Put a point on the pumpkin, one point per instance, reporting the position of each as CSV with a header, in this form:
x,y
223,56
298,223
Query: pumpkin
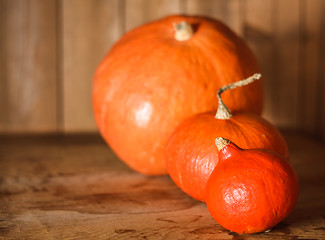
x,y
160,73
190,154
252,190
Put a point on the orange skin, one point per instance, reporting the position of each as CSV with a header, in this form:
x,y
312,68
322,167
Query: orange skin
x,y
149,82
251,191
191,154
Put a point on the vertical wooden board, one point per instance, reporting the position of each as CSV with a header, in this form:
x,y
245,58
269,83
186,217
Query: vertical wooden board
x,y
3,65
320,116
230,12
258,32
311,21
138,12
286,54
89,30
28,66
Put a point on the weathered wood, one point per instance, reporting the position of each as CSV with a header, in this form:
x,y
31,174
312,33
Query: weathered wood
x,y
89,28
138,12
312,97
258,31
310,63
230,12
49,51
286,59
28,66
320,117
74,187
320,131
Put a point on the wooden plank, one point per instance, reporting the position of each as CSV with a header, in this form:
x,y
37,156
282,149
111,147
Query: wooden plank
x,y
286,54
74,187
315,67
89,30
258,32
230,12
28,66
310,64
4,9
320,126
138,12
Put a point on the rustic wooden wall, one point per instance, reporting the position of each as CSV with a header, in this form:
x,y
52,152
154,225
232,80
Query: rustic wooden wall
x,y
49,50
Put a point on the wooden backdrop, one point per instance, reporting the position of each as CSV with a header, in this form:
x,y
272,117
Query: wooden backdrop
x,y
49,50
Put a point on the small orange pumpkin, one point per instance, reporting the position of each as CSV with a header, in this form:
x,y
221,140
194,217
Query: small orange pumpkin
x,y
250,191
160,73
191,155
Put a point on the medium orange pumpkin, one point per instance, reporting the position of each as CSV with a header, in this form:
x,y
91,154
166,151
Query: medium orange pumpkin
x,y
191,155
252,190
161,73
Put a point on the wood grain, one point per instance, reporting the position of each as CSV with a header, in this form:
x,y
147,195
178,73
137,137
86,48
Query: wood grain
x,y
310,65
228,12
28,66
89,28
320,131
4,121
258,32
286,57
138,12
49,51
74,187
313,69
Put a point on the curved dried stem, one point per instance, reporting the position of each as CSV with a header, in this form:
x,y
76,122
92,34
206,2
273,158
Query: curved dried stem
x,y
223,112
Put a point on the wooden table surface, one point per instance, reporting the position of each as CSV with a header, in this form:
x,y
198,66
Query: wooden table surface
x,y
74,187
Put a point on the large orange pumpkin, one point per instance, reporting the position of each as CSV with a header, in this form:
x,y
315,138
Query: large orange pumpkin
x,y
161,73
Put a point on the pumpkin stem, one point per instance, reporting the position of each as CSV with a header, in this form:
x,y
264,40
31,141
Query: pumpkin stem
x,y
183,31
223,112
221,143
